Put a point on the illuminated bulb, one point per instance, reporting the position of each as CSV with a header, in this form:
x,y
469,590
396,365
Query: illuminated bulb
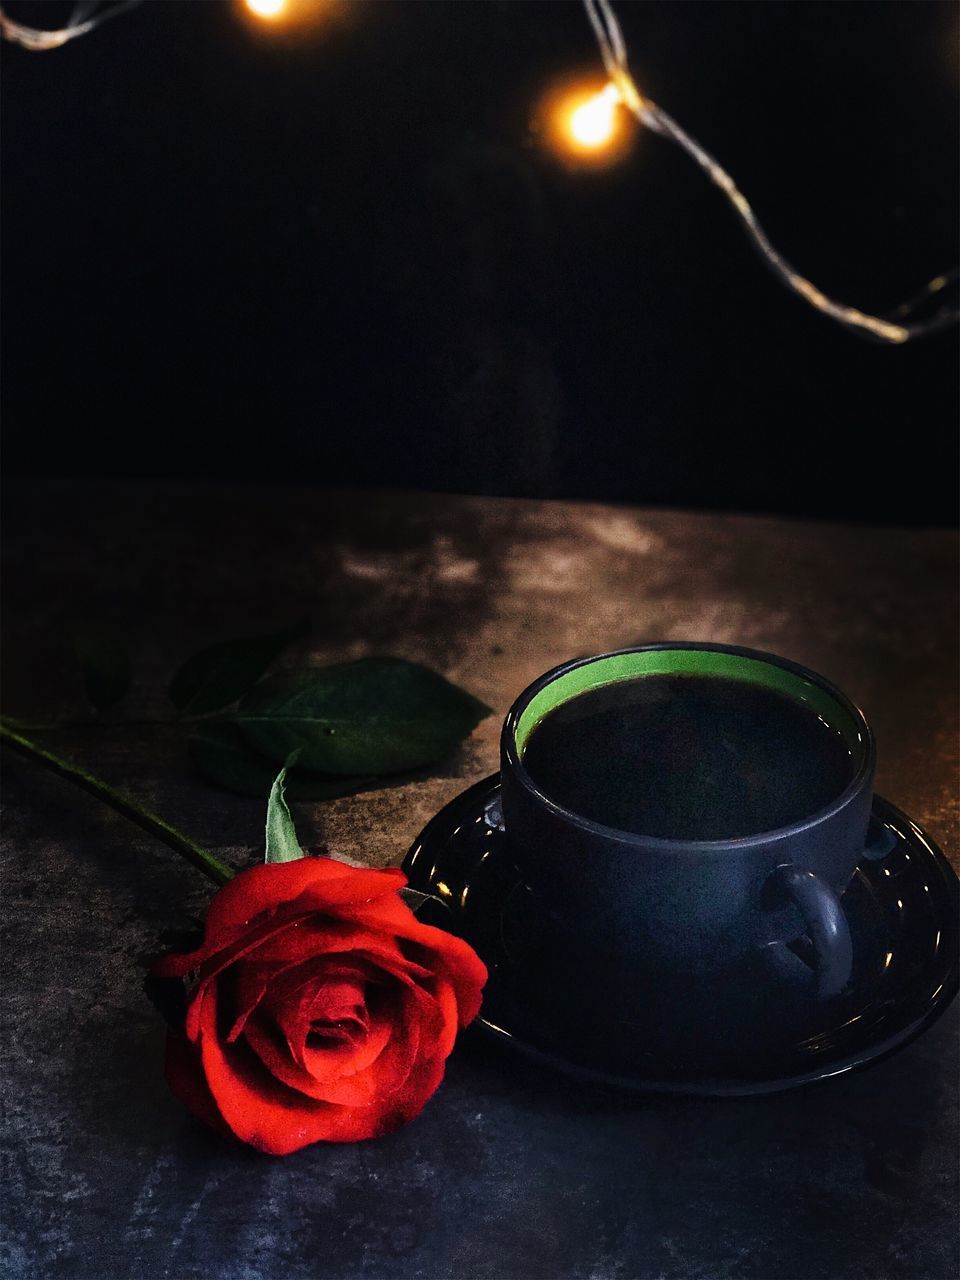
x,y
593,123
287,16
586,123
266,8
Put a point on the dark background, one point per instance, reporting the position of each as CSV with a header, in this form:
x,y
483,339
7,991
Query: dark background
x,y
346,256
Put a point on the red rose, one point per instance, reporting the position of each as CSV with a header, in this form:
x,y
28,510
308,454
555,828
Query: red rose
x,y
322,1009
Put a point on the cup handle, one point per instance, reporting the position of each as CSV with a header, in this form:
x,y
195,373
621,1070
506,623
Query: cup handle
x,y
826,925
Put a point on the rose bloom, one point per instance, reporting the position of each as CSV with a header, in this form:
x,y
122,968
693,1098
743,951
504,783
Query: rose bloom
x,y
321,1008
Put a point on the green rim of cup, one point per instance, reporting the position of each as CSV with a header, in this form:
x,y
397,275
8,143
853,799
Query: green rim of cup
x,y
615,667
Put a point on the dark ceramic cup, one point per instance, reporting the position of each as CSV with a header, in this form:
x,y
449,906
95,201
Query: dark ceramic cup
x,y
684,907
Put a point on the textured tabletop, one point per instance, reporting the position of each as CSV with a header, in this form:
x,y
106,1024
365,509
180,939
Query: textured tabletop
x,y
509,1172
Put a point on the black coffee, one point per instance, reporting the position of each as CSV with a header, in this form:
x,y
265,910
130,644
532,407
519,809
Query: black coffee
x,y
688,757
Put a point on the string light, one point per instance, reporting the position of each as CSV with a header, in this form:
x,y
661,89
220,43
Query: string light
x,y
613,51
287,15
268,9
585,123
86,17
593,124
592,127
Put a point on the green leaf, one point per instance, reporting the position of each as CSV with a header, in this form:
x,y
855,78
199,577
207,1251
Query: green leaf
x,y
376,715
105,666
219,675
282,842
220,752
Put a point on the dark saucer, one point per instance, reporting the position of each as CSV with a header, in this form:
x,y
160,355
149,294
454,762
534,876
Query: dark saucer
x,y
594,1019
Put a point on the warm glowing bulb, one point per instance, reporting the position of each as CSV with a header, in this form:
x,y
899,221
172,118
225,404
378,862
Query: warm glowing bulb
x,y
266,8
593,123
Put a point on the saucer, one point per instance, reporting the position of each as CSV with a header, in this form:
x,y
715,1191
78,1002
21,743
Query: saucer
x,y
557,1001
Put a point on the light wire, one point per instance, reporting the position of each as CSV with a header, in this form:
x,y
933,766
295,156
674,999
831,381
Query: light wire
x,y
613,51
894,327
39,40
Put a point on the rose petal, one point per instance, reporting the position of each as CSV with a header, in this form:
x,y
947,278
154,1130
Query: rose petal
x,y
384,915
284,944
375,1083
326,1075
310,936
266,1114
358,1074
278,887
180,963
323,1009
326,883
295,1019
422,1083
340,998
457,959
320,1063
448,1021
281,984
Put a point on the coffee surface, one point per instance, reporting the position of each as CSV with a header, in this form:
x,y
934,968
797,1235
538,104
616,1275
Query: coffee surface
x,y
688,757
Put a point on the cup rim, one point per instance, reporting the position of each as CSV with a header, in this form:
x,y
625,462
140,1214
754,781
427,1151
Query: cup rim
x,y
675,844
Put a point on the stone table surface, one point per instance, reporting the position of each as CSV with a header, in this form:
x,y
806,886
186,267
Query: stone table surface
x,y
510,1171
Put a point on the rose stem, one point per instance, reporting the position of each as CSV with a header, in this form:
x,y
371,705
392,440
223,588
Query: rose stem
x,y
39,726
211,867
